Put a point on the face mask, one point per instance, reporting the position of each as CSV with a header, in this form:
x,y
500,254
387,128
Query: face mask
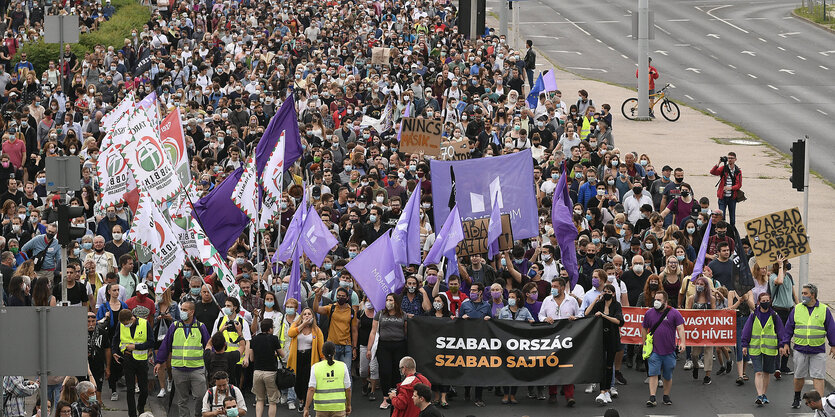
x,y
691,230
555,292
240,261
183,315
474,295
595,240
92,399
290,311
595,282
700,288
15,228
531,273
352,254
623,232
504,262
615,162
372,218
411,290
638,269
437,305
187,274
194,291
608,296
653,286
658,304
649,246
76,251
232,412
87,246
117,236
806,299
589,217
578,212
389,305
699,223
637,190
765,305
341,301
720,235
680,258
590,255
269,304
227,311
546,257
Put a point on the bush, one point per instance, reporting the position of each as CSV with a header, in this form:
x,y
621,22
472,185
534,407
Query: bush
x,y
129,15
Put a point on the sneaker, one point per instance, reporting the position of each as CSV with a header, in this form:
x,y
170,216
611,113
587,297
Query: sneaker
x,y
372,396
740,381
660,383
479,403
787,371
291,405
531,394
651,401
707,380
608,398
667,400
161,393
168,385
619,378
701,364
570,402
591,388
759,400
384,405
600,399
765,399
613,392
136,389
778,374
695,372
114,396
646,380
552,399
630,361
283,400
796,404
688,365
721,370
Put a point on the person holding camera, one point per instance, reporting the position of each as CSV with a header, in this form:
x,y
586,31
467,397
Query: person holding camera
x,y
729,185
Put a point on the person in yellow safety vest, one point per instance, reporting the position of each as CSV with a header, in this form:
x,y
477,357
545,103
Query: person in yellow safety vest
x,y
130,348
809,326
759,340
587,121
183,344
236,332
329,387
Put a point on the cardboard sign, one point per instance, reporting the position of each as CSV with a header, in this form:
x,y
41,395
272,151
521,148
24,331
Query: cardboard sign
x,y
380,56
701,327
778,233
418,134
475,236
455,151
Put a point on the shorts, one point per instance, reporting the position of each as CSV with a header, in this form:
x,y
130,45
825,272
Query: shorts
x,y
263,385
809,365
764,363
367,366
662,365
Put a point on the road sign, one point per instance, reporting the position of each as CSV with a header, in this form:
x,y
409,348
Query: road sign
x,y
56,26
63,173
65,351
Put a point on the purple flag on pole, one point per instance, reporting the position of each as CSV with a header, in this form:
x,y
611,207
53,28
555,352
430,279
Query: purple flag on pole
x,y
221,219
494,230
294,288
700,259
550,79
451,264
406,113
376,272
447,239
506,178
316,240
564,229
149,101
284,120
405,237
291,236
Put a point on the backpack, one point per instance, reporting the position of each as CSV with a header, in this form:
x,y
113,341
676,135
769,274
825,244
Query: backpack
x,y
330,316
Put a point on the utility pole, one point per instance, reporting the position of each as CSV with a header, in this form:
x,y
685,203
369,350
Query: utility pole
x,y
643,60
516,36
504,6
804,259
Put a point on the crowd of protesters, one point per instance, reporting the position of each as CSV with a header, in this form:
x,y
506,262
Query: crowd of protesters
x,y
227,66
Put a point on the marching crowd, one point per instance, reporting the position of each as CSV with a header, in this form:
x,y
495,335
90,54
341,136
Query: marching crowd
x,y
227,66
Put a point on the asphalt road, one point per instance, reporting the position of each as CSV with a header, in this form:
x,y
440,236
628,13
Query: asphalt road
x,y
749,62
723,398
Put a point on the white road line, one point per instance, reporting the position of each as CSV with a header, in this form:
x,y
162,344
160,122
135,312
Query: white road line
x,y
784,35
756,18
752,75
763,40
708,109
607,21
731,66
578,27
567,52
682,44
772,87
710,13
822,112
795,99
749,53
800,57
824,68
587,69
610,48
678,20
781,48
713,35
663,30
714,57
624,56
688,97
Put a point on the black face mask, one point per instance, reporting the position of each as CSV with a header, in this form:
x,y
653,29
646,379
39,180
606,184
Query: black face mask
x,y
637,190
607,296
720,234
679,180
653,287
341,301
685,193
590,255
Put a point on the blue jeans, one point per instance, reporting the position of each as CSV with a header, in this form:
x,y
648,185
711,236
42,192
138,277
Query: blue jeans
x,y
343,354
728,203
740,324
529,73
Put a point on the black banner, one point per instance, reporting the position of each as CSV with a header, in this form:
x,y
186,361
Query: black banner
x,y
506,352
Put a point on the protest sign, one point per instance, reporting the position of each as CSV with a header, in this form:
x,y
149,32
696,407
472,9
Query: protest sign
x,y
418,134
507,352
380,56
775,234
475,236
454,150
701,327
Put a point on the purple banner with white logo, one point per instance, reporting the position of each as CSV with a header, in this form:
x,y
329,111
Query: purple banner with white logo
x,y
508,179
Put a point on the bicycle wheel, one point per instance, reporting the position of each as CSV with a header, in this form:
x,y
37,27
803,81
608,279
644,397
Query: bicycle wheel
x,y
670,110
629,108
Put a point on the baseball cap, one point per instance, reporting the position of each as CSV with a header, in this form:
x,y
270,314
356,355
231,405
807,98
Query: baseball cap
x,y
142,288
666,168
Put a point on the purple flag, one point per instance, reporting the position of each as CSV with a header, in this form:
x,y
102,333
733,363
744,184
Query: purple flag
x,y
221,219
294,289
291,236
494,230
506,178
564,229
405,238
700,260
285,120
376,272
406,113
550,79
150,101
451,264
316,240
447,239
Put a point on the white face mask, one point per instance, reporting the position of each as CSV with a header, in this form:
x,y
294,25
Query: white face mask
x,y
658,304
649,246
638,269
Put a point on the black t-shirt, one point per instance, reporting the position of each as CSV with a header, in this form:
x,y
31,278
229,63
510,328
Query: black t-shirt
x,y
723,272
221,362
76,295
431,411
264,346
206,313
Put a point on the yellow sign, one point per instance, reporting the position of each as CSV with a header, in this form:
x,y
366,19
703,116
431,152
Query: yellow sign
x,y
778,233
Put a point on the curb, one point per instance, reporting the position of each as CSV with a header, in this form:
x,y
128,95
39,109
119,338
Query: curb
x,y
816,24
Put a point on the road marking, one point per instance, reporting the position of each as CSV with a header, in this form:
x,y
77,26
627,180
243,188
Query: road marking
x,y
826,53
822,112
690,98
661,52
734,415
624,56
587,69
607,21
772,87
756,18
713,35
795,99
543,36
781,48
749,53
708,109
663,30
824,68
714,57
578,26
567,52
710,13
678,20
763,40
610,48
598,40
696,70
731,66
790,72
784,35
752,75
682,44
800,57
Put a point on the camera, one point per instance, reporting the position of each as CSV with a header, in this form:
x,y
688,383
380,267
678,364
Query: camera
x,y
230,327
723,159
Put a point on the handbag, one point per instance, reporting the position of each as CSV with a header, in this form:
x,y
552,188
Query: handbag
x,y
740,196
648,341
285,378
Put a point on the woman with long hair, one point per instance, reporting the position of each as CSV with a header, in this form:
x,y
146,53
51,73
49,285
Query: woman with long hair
x,y
607,307
671,278
42,294
18,292
440,309
306,342
760,274
702,300
389,331
686,264
165,313
109,312
369,369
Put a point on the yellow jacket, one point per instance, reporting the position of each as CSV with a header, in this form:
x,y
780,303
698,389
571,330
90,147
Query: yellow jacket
x,y
316,354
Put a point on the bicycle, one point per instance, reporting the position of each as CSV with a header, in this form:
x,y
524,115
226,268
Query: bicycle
x,y
669,110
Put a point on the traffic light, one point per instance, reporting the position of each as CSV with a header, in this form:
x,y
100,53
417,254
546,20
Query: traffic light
x,y
66,231
798,165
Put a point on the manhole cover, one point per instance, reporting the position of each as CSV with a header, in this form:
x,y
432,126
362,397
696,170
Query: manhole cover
x,y
745,142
